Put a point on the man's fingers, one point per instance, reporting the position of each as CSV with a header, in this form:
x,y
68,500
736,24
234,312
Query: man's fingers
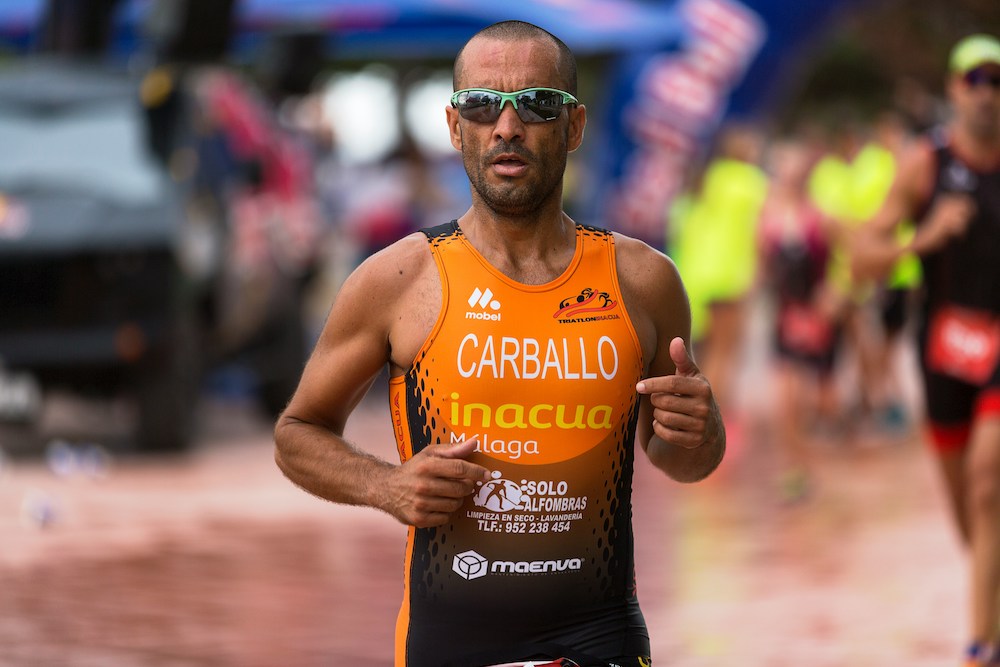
x,y
433,514
440,487
449,461
436,482
437,504
674,384
956,210
457,450
686,371
679,422
686,439
680,404
682,360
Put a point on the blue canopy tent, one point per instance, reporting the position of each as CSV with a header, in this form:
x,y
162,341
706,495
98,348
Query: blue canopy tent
x,y
18,24
437,28
369,29
677,66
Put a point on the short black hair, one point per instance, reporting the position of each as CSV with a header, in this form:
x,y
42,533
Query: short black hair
x,y
516,30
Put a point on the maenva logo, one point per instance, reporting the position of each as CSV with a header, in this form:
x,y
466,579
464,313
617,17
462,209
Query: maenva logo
x,y
481,303
470,565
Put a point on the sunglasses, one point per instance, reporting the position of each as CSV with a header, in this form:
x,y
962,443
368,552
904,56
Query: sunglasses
x,y
981,77
533,105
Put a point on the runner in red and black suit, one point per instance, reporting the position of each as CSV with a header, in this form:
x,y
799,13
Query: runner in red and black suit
x,y
950,184
961,306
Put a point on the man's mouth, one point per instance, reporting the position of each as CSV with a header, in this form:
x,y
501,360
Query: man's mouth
x,y
509,165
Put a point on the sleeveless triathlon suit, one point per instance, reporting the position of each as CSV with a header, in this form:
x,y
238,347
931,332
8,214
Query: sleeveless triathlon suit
x,y
539,560
960,335
797,264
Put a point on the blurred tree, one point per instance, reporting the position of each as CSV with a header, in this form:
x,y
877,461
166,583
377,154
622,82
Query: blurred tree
x,y
190,31
292,60
890,53
77,27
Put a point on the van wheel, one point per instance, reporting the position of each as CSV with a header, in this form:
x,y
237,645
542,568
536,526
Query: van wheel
x,y
281,361
167,389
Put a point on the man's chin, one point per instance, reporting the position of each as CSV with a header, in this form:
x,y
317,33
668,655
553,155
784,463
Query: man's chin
x,y
986,127
511,211
511,203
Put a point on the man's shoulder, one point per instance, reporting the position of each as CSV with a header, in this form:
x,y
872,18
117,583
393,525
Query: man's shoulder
x,y
635,254
642,269
917,168
921,153
395,265
412,246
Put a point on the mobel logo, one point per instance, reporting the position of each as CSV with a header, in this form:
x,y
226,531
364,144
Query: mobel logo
x,y
483,305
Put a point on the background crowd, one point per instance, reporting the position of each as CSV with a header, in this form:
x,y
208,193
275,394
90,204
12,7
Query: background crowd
x,y
298,161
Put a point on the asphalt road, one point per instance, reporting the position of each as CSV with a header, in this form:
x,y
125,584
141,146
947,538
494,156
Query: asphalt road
x,y
214,558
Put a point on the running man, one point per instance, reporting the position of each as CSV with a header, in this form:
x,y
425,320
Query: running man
x,y
950,184
491,379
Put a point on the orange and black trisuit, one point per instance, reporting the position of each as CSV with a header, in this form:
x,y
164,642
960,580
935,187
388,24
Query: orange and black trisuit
x,y
540,556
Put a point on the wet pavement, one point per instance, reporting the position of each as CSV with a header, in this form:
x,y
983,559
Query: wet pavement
x,y
214,558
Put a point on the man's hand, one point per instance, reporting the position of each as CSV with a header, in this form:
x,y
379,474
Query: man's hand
x,y
948,218
428,488
683,405
690,439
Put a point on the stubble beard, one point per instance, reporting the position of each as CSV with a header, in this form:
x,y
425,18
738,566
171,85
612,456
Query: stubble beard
x,y
986,128
516,198
982,121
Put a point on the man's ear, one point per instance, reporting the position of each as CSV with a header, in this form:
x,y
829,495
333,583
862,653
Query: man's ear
x,y
954,86
577,123
454,129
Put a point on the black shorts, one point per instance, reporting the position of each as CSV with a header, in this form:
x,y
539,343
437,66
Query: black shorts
x,y
894,307
542,652
630,661
805,338
953,404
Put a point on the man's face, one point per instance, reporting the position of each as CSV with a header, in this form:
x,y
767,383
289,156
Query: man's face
x,y
976,98
514,167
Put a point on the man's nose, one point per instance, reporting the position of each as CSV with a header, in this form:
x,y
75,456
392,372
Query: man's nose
x,y
509,125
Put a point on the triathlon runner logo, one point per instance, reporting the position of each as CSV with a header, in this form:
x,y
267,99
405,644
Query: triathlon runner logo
x,y
469,565
499,495
587,301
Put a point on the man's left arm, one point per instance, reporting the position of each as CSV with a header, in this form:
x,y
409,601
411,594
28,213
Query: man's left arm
x,y
680,426
685,436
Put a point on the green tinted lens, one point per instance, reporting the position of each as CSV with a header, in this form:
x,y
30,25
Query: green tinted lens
x,y
982,77
538,106
480,106
533,105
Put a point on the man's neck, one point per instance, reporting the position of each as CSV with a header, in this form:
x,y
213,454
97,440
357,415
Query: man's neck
x,y
532,250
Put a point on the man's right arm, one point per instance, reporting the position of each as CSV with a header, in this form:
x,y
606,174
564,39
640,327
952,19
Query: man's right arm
x,y
877,249
353,347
